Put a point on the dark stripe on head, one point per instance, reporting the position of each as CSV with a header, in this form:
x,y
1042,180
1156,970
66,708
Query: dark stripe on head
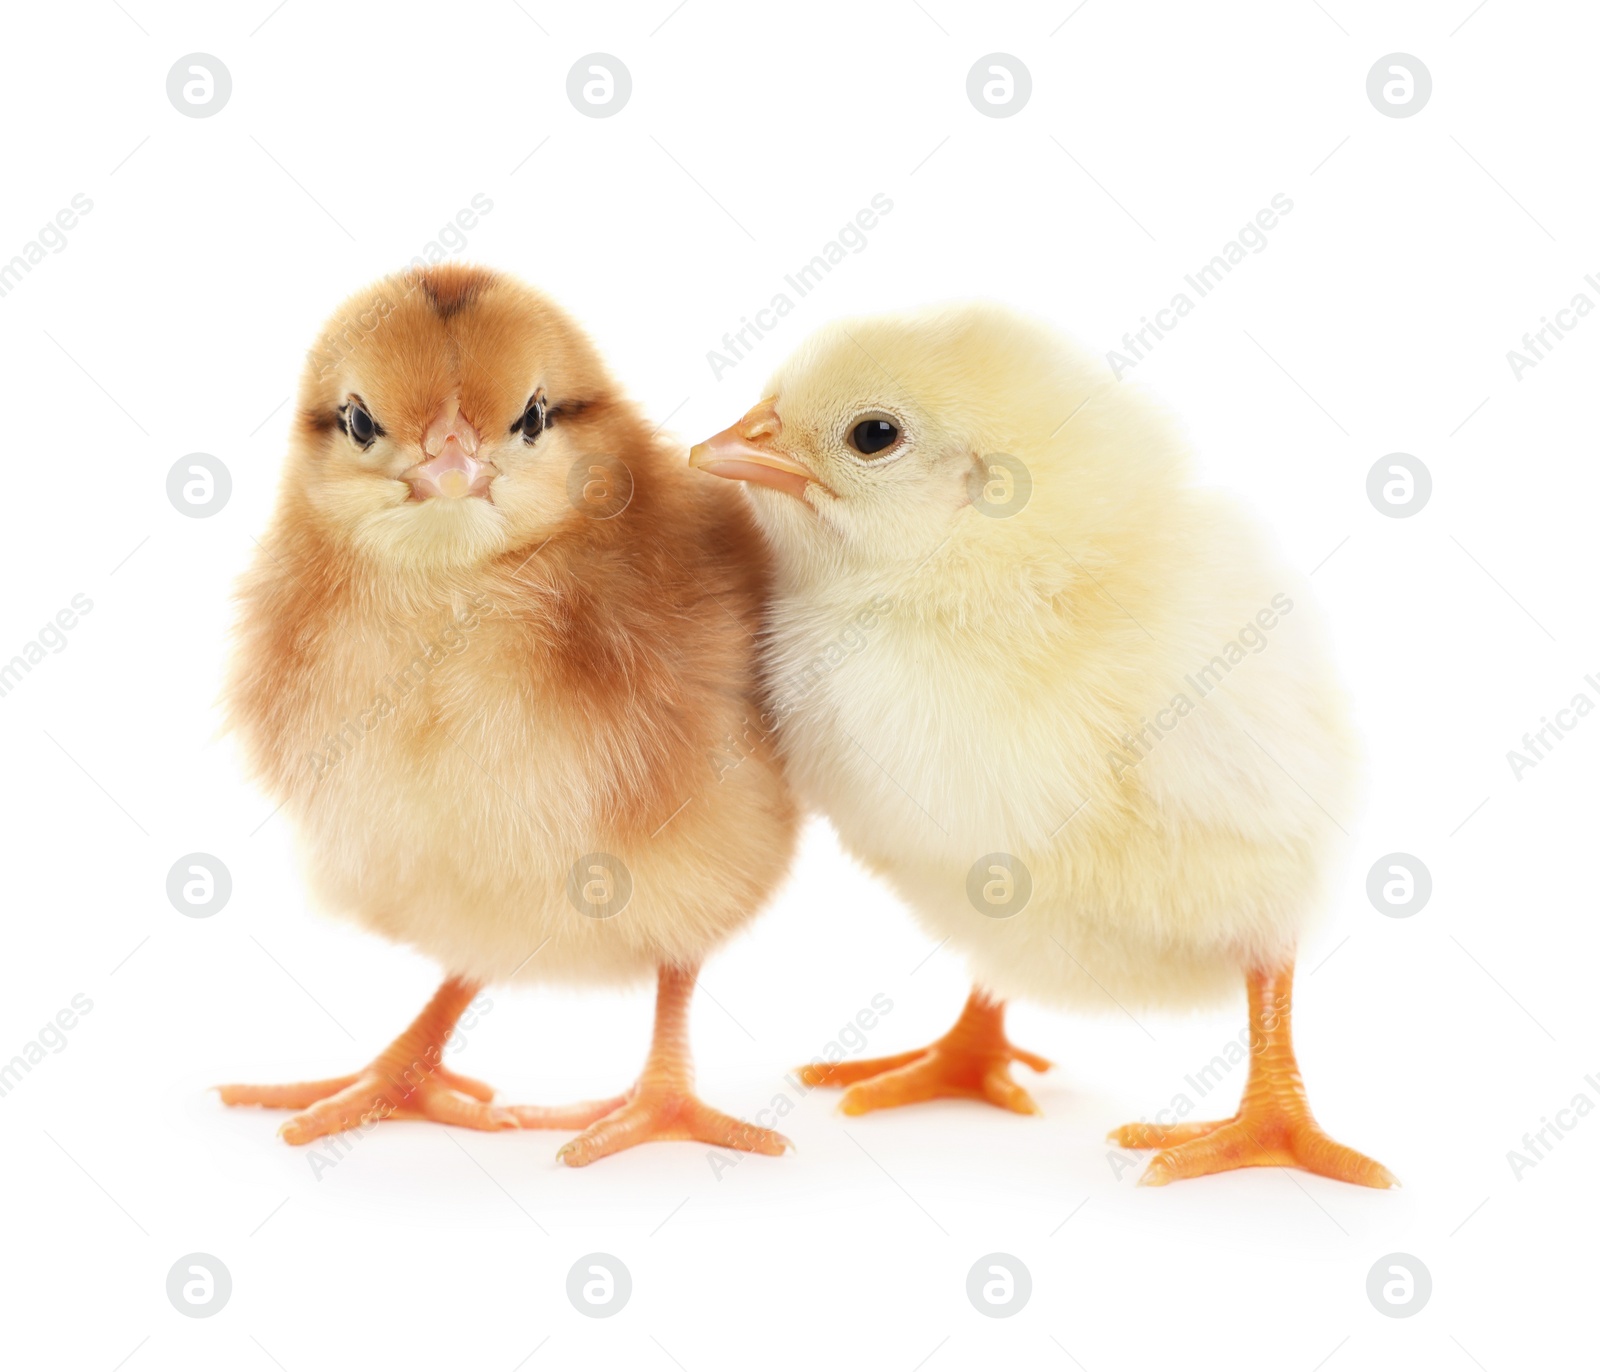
x,y
450,289
569,410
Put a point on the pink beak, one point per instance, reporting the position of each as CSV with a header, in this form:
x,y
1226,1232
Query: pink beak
x,y
453,469
739,453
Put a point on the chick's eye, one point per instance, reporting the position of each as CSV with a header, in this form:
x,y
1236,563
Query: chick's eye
x,y
533,419
871,436
361,426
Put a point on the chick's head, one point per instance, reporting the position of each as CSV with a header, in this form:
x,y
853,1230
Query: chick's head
x,y
876,438
440,413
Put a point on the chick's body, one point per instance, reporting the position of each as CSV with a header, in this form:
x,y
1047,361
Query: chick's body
x,y
449,751
492,657
1158,866
1087,727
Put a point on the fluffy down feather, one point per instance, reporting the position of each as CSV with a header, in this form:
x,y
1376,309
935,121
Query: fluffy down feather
x,y
1119,684
455,700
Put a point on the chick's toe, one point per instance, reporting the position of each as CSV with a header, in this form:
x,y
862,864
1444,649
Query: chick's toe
x,y
662,1104
408,1080
971,1062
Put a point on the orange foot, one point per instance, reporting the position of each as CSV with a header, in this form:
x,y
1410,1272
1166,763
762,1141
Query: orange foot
x,y
972,1062
1273,1126
1276,1136
663,1106
406,1081
655,1113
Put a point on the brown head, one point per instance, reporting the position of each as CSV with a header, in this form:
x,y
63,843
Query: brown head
x,y
440,414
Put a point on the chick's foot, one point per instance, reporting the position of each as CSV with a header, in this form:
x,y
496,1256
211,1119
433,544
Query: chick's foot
x,y
407,1080
971,1062
1273,1127
662,1105
659,1112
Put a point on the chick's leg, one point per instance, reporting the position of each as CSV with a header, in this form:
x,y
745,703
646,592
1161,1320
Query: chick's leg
x,y
662,1104
408,1080
1273,1126
972,1061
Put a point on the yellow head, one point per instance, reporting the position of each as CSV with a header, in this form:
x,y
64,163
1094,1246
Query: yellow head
x,y
967,428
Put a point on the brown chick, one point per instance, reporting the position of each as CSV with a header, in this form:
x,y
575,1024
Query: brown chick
x,y
496,661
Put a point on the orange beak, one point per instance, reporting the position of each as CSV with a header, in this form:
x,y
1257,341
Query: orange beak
x,y
740,453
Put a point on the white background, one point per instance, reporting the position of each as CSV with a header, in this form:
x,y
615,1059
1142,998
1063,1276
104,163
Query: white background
x,y
1378,319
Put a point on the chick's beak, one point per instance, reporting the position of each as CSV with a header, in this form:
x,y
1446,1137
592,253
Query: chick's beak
x,y
452,469
741,453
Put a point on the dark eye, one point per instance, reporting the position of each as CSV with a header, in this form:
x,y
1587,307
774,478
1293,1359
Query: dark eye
x,y
360,425
531,423
872,436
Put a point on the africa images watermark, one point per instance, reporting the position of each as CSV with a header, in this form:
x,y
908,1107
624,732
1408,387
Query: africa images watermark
x,y
1539,743
451,238
1538,1143
739,344
53,635
1202,1082
52,235
1538,344
852,1037
1138,345
52,1035
1136,747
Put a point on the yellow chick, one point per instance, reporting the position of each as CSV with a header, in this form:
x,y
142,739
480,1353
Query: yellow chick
x,y
1067,703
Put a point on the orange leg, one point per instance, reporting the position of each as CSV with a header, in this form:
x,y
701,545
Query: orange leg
x,y
408,1080
972,1061
1273,1126
662,1104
